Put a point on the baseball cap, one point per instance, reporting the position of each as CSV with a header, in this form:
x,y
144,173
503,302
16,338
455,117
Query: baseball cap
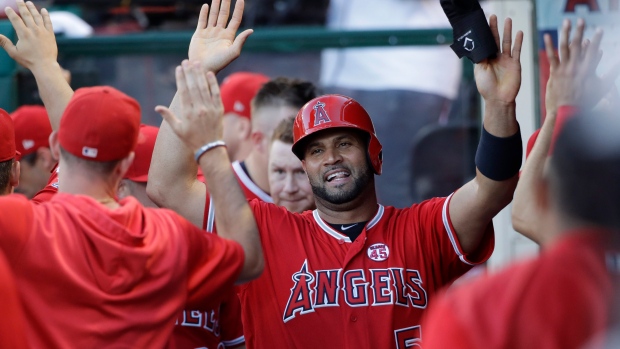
x,y
32,128
100,124
238,90
139,169
7,137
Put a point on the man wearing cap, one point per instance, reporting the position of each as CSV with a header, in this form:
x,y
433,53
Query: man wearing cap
x,y
238,90
77,289
9,166
136,177
32,131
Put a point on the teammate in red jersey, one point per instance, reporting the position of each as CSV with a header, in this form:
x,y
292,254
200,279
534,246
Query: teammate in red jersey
x,y
569,294
354,273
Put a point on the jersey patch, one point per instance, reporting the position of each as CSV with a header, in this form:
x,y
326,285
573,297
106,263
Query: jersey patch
x,y
320,114
378,252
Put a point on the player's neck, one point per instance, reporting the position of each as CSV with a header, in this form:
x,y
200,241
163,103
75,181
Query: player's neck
x,y
257,171
96,187
361,209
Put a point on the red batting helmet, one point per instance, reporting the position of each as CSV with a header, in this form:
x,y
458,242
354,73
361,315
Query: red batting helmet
x,y
331,111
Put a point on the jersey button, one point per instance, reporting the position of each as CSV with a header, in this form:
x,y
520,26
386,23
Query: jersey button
x,y
353,318
340,241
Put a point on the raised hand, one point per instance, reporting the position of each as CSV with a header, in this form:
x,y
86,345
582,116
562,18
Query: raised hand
x,y
36,45
499,79
214,43
200,121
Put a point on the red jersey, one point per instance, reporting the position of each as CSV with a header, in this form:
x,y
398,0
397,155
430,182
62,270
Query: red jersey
x,y
12,322
321,290
559,300
222,325
48,192
93,277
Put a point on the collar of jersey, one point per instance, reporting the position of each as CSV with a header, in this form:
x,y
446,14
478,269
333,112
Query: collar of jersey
x,y
338,235
247,181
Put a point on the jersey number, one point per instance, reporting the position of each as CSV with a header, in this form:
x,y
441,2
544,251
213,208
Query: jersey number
x,y
409,337
379,254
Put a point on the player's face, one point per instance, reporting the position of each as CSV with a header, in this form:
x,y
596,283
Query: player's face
x,y
288,182
337,165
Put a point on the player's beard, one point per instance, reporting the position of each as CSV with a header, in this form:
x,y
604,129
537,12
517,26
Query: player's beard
x,y
361,179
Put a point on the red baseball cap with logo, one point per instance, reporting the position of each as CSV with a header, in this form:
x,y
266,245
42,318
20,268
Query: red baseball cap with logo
x,y
32,128
7,137
139,169
100,124
238,90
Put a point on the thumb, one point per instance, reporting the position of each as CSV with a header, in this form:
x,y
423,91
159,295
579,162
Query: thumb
x,y
169,116
241,38
8,46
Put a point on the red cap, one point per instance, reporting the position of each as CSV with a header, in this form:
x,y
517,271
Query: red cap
x,y
100,124
238,90
7,137
32,128
139,169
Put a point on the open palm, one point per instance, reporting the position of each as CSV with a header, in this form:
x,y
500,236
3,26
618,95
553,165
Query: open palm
x,y
214,43
499,79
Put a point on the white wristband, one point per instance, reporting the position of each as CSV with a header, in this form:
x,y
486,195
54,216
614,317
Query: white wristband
x,y
205,148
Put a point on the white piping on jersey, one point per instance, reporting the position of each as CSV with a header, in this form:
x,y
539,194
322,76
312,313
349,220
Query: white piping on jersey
x,y
339,236
451,235
234,342
247,181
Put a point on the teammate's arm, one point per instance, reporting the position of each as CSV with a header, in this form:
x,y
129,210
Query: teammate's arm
x,y
498,80
199,124
36,50
172,175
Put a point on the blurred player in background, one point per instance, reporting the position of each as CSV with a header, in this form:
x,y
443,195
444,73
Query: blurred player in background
x,y
136,177
9,165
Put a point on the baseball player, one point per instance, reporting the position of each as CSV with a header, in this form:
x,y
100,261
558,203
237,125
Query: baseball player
x,y
288,182
136,177
12,322
32,131
9,165
575,204
354,273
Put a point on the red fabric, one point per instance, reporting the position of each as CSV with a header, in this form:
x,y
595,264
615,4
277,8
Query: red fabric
x,y
93,277
564,114
32,128
320,291
557,301
211,327
139,169
100,124
12,322
51,188
238,90
7,137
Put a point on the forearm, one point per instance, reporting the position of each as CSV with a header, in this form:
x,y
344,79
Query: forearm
x,y
233,214
53,89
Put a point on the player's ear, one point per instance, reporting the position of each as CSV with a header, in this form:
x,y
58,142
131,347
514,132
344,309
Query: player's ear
x,y
14,175
125,163
244,128
54,145
45,158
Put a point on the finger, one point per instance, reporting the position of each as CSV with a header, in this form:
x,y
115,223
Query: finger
x,y
516,49
169,116
577,42
203,17
201,80
240,40
182,87
7,45
215,91
222,19
192,85
237,15
494,29
215,10
507,37
593,53
38,20
564,35
25,13
47,21
16,22
551,54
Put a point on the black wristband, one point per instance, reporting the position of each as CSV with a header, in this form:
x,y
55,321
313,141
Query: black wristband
x,y
499,158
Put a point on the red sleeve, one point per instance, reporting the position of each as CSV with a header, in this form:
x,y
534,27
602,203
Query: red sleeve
x,y
15,224
443,329
49,190
230,322
12,320
214,265
431,219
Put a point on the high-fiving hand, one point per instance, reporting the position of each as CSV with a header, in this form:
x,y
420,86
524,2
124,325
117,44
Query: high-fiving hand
x,y
214,43
200,121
